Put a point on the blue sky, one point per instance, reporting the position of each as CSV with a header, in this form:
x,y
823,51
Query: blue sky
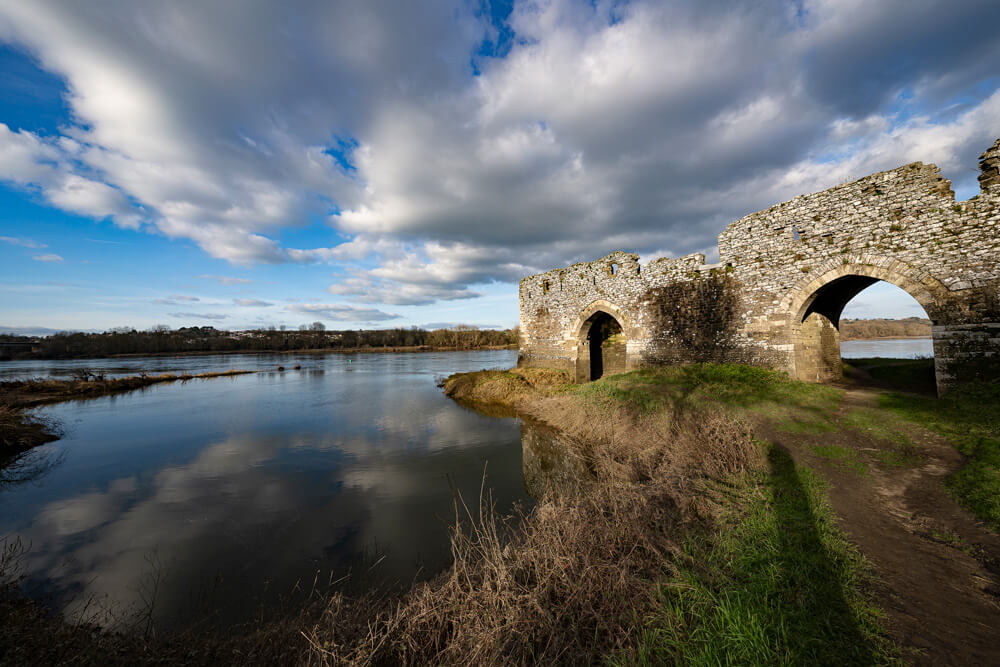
x,y
387,164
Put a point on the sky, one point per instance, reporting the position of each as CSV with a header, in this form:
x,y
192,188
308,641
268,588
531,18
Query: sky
x,y
390,163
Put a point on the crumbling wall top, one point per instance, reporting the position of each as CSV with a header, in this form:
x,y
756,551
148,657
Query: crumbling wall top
x,y
989,166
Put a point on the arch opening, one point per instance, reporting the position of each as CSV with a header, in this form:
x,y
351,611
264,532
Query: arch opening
x,y
886,323
603,347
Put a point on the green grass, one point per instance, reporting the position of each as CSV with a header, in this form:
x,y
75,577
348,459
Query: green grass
x,y
841,456
910,375
699,385
877,424
970,418
778,584
808,427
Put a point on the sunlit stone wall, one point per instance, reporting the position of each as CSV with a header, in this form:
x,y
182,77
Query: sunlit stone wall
x,y
785,275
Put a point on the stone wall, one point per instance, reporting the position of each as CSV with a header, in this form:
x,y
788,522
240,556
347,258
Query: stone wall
x,y
785,275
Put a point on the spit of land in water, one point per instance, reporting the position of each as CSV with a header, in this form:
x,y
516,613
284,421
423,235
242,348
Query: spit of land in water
x,y
716,514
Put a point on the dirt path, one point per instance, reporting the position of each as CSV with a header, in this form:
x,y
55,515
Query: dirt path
x,y
938,567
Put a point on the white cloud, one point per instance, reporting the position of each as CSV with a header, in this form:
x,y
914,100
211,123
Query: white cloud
x,y
176,299
199,316
24,243
226,280
252,303
51,257
340,312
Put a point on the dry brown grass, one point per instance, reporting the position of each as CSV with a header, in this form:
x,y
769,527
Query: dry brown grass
x,y
573,581
505,387
19,431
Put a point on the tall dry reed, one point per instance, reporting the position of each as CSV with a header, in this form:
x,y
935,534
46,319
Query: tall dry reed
x,y
573,581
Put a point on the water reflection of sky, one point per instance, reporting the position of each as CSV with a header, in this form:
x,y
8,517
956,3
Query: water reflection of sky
x,y
234,489
902,348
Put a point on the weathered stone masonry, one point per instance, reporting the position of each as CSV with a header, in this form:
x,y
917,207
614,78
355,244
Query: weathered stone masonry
x,y
784,277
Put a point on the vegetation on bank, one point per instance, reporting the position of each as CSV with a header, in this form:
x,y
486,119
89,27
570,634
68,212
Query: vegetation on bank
x,y
763,576
910,327
164,340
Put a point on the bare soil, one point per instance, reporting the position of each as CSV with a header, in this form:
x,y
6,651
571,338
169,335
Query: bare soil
x,y
937,567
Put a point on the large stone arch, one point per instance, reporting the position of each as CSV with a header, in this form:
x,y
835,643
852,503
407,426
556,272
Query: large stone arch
x,y
609,358
815,305
923,287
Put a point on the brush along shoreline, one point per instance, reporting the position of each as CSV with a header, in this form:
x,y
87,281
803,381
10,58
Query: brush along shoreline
x,y
694,537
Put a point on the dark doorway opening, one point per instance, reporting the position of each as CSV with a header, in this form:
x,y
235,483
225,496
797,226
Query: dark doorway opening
x,y
607,346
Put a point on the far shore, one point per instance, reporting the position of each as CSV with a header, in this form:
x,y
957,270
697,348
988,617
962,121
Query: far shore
x,y
323,350
320,350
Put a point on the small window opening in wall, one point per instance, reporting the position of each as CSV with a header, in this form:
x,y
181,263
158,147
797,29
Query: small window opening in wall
x,y
614,269
795,233
546,286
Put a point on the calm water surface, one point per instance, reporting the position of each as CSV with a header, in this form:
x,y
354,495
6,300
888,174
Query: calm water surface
x,y
222,494
903,348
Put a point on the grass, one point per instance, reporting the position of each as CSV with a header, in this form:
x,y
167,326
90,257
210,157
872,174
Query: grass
x,y
847,458
776,584
970,418
909,375
769,579
20,431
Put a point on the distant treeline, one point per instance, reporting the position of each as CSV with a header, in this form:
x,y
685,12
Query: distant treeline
x,y
162,339
911,327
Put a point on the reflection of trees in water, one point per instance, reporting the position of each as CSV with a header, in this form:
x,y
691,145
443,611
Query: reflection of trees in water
x,y
29,466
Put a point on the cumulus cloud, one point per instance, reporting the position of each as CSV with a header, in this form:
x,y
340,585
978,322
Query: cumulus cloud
x,y
24,243
252,303
51,257
340,312
646,126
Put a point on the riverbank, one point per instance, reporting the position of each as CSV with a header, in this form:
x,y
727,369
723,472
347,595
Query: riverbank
x,y
874,329
881,471
729,515
20,430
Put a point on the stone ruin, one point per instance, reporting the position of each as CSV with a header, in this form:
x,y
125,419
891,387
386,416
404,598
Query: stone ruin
x,y
783,278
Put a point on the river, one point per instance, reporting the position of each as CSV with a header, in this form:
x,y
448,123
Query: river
x,y
216,497
893,348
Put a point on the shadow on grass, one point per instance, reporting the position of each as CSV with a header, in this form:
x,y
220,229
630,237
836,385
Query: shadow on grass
x,y
821,625
779,586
